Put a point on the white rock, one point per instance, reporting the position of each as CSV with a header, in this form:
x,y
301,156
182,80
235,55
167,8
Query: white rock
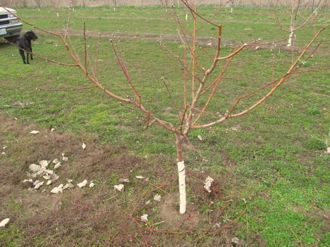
x,y
4,222
139,177
47,177
68,186
144,218
91,185
52,129
64,158
55,161
37,184
34,168
31,175
49,182
208,183
83,146
28,181
69,180
147,202
123,180
82,184
157,197
4,147
57,189
44,163
34,132
57,165
3,153
119,187
200,137
328,150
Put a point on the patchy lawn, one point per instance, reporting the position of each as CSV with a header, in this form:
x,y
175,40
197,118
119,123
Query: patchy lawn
x,y
271,169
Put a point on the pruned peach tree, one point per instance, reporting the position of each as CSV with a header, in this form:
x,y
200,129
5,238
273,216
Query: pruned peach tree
x,y
200,86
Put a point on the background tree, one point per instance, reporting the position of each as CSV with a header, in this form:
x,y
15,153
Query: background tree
x,y
301,14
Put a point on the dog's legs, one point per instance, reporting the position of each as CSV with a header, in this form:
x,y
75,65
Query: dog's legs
x,y
21,52
30,47
28,57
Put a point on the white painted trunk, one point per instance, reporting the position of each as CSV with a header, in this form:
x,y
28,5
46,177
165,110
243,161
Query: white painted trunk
x,y
290,40
182,186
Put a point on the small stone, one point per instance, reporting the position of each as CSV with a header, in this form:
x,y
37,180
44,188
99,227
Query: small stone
x,y
64,158
44,163
235,242
83,146
200,137
4,222
68,186
28,181
139,177
55,161
144,218
34,132
217,225
123,180
157,198
208,183
91,185
119,187
82,184
34,168
57,189
57,165
37,184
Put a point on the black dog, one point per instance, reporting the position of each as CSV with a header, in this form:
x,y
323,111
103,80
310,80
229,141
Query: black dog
x,y
24,43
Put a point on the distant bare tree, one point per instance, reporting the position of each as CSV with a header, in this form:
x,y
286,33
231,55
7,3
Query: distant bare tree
x,y
298,19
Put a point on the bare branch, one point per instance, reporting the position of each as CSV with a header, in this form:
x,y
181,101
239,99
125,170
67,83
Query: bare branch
x,y
283,79
127,75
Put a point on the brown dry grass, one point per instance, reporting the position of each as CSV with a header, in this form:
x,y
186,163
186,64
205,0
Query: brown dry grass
x,y
100,216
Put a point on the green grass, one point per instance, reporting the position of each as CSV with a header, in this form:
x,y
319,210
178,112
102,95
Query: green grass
x,y
244,24
281,179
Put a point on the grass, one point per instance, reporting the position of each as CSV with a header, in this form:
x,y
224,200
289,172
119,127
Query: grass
x,y
274,159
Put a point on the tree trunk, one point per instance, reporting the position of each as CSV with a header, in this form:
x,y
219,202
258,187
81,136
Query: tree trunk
x,y
291,37
181,174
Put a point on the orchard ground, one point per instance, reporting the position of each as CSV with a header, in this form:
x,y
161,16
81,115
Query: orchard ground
x,y
270,167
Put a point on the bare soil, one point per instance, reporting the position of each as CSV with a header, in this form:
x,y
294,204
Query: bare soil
x,y
99,215
201,41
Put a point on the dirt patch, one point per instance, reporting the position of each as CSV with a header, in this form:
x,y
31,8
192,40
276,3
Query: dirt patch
x,y
201,41
98,215
170,213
